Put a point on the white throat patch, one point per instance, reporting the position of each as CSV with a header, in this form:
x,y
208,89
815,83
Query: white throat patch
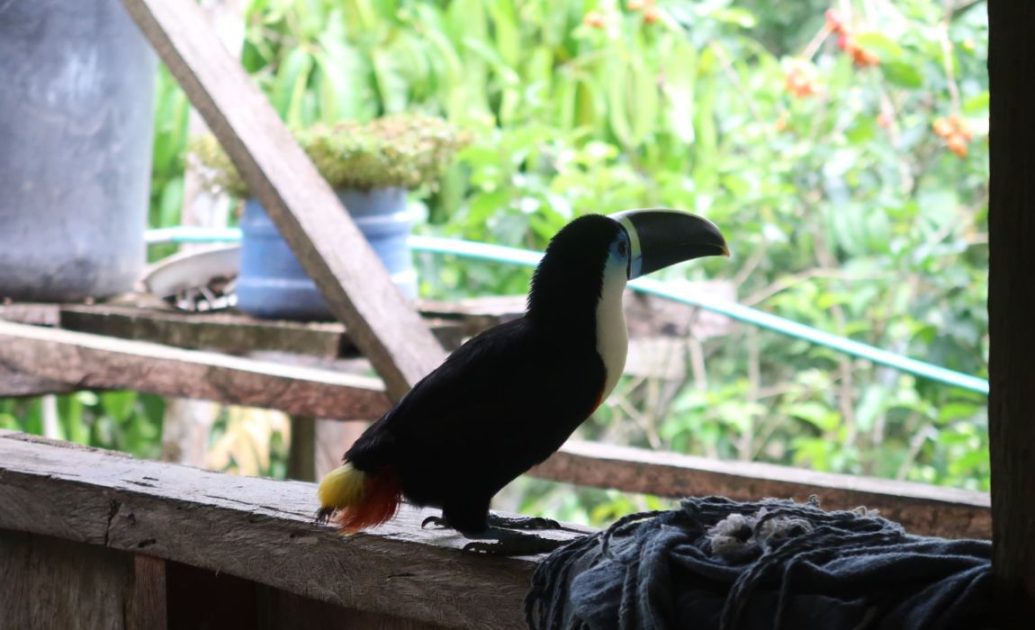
x,y
612,334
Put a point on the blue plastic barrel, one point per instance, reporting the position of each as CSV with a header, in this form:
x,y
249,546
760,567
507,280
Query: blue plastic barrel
x,y
75,148
272,283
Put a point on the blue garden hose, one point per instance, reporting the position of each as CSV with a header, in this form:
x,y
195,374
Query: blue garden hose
x,y
739,312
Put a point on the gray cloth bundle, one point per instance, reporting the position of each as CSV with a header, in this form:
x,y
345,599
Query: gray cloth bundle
x,y
717,563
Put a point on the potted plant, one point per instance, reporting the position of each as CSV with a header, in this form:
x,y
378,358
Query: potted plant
x,y
371,166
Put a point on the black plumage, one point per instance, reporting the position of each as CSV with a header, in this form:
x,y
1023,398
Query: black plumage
x,y
506,399
511,396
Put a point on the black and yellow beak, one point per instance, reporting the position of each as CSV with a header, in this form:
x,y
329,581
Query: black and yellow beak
x,y
659,238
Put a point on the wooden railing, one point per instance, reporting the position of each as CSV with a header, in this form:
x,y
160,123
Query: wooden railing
x,y
167,534
79,359
87,534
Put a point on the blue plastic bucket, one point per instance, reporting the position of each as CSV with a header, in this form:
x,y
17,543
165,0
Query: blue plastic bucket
x,y
76,127
272,283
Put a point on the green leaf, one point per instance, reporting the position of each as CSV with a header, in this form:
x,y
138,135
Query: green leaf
x,y
118,404
504,72
902,74
289,85
816,414
881,44
977,104
873,403
679,74
735,15
617,113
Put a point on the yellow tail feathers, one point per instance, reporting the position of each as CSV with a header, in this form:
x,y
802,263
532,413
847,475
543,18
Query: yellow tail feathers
x,y
355,500
341,488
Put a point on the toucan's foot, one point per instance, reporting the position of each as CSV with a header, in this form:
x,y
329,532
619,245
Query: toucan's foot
x,y
528,523
324,514
437,521
505,542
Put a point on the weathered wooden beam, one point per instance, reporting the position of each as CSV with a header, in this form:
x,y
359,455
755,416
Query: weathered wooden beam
x,y
91,361
227,332
148,606
237,334
1011,295
256,529
16,384
48,583
31,313
301,204
922,509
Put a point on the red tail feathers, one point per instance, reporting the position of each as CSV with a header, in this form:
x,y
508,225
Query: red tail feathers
x,y
380,501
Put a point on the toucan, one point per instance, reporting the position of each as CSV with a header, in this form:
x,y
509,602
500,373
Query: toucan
x,y
509,397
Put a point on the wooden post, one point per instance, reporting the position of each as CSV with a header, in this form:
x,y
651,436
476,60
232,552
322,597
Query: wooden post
x,y
301,204
302,453
1011,296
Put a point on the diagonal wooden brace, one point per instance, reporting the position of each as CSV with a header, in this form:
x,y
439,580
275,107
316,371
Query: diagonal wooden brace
x,y
383,324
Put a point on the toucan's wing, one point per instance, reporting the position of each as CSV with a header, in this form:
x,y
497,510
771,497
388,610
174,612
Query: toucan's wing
x,y
498,384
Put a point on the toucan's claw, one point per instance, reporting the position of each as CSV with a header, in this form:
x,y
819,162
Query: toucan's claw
x,y
437,521
511,543
324,514
527,523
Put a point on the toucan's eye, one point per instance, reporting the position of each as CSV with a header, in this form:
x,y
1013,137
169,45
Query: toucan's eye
x,y
622,248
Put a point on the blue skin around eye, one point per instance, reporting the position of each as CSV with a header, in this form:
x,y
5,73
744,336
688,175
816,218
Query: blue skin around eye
x,y
619,257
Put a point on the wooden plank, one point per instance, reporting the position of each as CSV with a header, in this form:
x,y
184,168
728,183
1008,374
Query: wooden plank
x,y
922,509
1011,295
31,313
662,357
92,361
16,384
256,529
200,598
647,315
302,450
280,610
301,204
227,332
50,583
147,607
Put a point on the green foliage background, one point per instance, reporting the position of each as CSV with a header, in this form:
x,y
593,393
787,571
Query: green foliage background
x,y
845,210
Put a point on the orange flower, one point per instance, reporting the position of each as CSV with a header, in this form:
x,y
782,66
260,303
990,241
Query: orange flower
x,y
957,144
961,126
651,14
594,19
834,22
943,127
955,131
800,80
863,58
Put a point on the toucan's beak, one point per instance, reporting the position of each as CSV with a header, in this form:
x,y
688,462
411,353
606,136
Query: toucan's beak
x,y
659,238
